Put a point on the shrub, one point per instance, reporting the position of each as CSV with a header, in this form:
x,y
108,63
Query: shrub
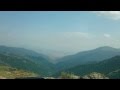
x,y
65,75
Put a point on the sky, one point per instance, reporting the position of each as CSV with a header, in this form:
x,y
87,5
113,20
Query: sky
x,y
63,31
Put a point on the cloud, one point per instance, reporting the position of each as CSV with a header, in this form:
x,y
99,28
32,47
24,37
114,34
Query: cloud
x,y
77,34
115,15
107,35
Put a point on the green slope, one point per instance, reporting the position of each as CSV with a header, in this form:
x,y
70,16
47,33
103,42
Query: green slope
x,y
110,68
25,64
26,59
95,55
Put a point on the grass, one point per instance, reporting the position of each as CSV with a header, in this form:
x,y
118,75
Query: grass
x,y
11,73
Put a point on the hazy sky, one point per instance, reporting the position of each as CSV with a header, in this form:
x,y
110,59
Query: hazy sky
x,y
61,31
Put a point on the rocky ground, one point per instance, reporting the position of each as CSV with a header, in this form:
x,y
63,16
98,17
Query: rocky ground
x,y
2,77
93,75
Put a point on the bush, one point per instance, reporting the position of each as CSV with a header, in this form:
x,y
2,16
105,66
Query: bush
x,y
65,75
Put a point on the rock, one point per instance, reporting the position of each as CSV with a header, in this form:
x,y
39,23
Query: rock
x,y
2,77
95,75
49,77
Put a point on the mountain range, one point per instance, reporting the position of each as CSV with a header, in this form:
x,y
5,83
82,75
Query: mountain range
x,y
91,56
104,60
109,67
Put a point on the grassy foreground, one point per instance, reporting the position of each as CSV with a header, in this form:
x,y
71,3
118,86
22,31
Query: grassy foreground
x,y
7,72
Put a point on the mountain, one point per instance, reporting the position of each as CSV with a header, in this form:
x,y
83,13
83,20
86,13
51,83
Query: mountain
x,y
26,59
91,56
109,67
20,51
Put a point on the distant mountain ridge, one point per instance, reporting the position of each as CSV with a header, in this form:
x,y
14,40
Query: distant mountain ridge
x,y
84,57
19,51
